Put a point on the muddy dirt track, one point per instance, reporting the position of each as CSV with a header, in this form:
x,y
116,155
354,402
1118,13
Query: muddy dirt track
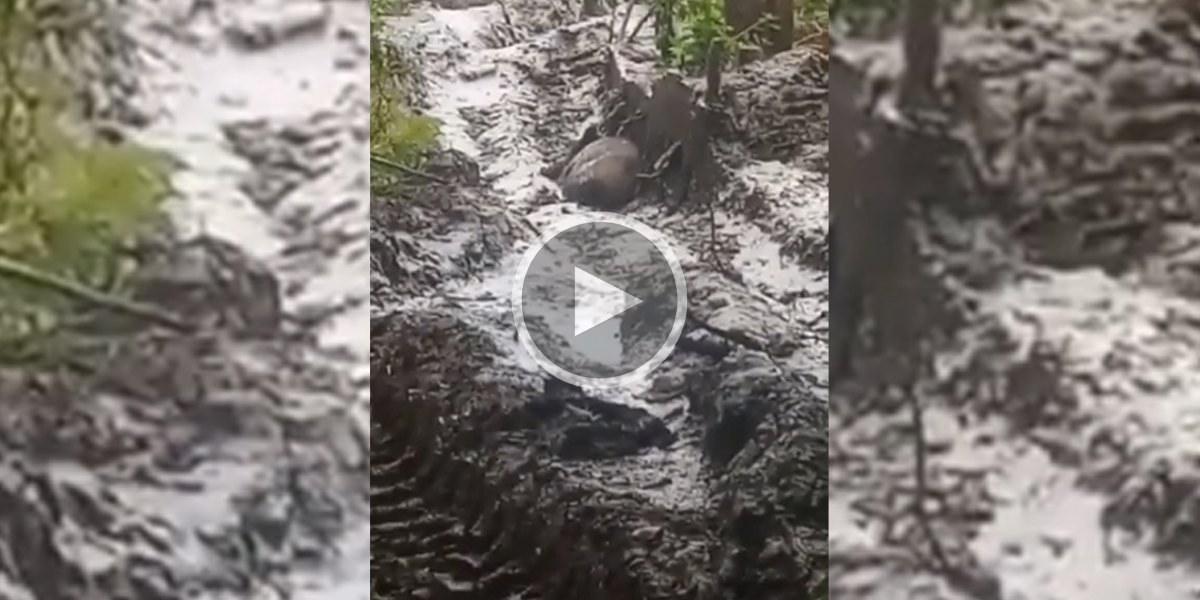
x,y
490,480
229,463
1067,381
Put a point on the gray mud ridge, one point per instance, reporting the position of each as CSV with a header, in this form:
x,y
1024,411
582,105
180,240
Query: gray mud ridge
x,y
493,482
490,479
1070,191
94,450
1079,136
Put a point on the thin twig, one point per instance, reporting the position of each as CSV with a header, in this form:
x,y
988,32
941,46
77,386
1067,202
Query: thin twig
x,y
660,165
507,18
399,168
808,39
967,577
18,271
620,37
637,28
612,27
920,449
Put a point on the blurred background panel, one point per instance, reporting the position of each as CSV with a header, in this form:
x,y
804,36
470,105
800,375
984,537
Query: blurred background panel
x,y
1015,211
183,286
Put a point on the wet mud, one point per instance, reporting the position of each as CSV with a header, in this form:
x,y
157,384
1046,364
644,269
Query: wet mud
x,y
1059,421
705,480
226,457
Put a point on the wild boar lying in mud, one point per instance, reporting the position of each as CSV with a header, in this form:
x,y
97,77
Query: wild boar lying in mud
x,y
602,175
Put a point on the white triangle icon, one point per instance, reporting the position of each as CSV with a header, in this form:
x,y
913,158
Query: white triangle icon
x,y
605,301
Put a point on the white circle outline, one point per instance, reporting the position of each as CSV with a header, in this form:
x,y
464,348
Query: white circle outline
x,y
660,243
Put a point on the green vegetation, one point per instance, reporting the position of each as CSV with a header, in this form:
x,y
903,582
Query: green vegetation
x,y
812,22
72,203
400,137
687,28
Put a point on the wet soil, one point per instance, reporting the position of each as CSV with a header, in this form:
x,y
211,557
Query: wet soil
x,y
491,480
1069,369
227,459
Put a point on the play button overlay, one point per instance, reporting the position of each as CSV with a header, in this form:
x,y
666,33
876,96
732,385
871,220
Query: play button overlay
x,y
599,300
613,301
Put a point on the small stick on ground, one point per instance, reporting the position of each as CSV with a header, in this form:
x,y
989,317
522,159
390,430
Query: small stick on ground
x,y
403,170
967,578
26,274
920,451
620,36
637,28
612,27
512,31
660,166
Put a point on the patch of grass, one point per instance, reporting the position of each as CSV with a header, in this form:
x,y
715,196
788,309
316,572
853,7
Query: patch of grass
x,y
72,202
685,29
399,134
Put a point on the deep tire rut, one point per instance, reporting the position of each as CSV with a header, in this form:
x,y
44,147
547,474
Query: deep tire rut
x,y
441,530
459,507
446,522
